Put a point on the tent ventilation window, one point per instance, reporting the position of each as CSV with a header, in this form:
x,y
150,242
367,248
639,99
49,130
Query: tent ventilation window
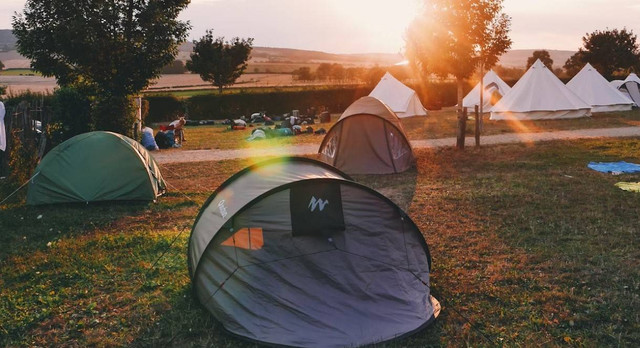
x,y
397,144
330,149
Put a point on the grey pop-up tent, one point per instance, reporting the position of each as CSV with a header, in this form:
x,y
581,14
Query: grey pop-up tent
x,y
630,87
291,252
367,139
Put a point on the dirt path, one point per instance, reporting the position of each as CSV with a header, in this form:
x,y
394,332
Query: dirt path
x,y
297,150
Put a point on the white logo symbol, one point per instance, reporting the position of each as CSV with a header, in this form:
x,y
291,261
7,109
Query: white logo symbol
x,y
317,203
223,209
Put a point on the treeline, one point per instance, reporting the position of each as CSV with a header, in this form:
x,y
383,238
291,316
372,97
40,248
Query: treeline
x,y
338,72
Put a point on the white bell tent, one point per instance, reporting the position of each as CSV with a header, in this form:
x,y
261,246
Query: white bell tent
x,y
494,90
401,99
539,94
591,87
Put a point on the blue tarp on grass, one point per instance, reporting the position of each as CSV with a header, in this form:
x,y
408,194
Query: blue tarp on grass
x,y
614,167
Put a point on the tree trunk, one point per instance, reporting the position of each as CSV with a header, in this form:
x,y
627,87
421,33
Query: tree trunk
x,y
460,83
462,117
462,127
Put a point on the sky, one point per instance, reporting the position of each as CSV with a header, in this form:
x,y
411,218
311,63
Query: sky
x,y
364,26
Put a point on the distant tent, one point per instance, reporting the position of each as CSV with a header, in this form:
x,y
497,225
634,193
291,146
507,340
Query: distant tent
x,y
494,90
591,87
367,139
616,83
401,99
539,94
290,252
631,88
96,166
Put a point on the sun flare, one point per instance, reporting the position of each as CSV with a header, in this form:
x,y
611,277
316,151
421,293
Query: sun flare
x,y
384,21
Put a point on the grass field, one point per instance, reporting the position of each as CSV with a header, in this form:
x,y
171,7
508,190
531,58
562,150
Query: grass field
x,y
245,88
18,72
529,247
439,124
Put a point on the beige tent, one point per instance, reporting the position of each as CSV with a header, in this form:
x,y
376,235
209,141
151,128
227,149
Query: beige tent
x,y
367,139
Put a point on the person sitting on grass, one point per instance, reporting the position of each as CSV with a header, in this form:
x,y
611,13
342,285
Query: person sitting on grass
x,y
178,130
148,141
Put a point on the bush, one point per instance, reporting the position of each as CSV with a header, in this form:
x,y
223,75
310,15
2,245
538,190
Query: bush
x,y
163,108
175,67
23,157
215,106
433,95
115,113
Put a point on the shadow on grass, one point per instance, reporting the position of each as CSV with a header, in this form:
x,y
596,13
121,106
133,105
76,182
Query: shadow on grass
x,y
26,228
399,188
187,323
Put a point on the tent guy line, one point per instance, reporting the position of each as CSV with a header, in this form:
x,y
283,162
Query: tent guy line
x,y
311,149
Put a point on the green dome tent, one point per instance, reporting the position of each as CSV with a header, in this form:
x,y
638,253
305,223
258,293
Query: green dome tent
x,y
96,166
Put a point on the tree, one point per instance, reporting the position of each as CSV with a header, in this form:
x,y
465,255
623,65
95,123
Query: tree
x,y
114,47
574,64
323,71
218,61
337,72
302,74
175,67
610,52
544,57
374,75
1,65
455,37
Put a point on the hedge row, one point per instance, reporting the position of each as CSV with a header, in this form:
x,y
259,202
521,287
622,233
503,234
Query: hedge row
x,y
216,107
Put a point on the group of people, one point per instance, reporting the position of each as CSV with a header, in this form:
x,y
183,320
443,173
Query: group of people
x,y
167,137
290,126
172,135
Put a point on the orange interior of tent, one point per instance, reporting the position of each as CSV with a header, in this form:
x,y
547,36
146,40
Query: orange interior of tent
x,y
246,238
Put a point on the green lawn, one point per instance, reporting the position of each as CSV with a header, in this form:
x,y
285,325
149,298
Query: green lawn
x,y
439,124
529,248
18,72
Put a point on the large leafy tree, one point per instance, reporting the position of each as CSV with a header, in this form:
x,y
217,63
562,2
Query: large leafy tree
x,y
218,61
455,37
544,57
115,47
574,64
609,51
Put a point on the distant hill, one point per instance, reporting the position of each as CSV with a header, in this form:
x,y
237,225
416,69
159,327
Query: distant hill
x,y
265,56
7,40
291,55
518,58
